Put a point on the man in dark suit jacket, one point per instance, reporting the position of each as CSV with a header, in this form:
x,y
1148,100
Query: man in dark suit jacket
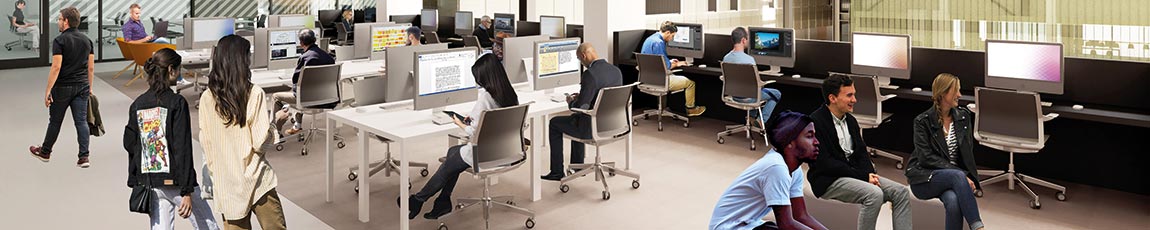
x,y
599,75
483,32
843,170
312,56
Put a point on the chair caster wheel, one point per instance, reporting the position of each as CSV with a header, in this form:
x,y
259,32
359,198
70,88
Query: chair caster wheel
x,y
442,226
357,189
530,223
660,127
352,176
978,193
1060,195
898,165
634,123
303,152
635,184
564,188
340,145
1035,205
606,195
646,117
301,139
720,140
279,147
423,172
510,202
686,125
752,147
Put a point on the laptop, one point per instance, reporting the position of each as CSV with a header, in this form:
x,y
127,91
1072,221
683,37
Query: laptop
x,y
160,29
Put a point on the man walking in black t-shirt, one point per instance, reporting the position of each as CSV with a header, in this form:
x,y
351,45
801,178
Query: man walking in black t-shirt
x,y
69,85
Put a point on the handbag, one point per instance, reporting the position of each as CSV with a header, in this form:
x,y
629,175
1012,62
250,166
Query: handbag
x,y
141,199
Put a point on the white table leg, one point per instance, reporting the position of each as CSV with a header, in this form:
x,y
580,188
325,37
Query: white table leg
x,y
404,182
536,152
364,185
328,160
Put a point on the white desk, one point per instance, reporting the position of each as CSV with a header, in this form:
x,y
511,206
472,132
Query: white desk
x,y
403,125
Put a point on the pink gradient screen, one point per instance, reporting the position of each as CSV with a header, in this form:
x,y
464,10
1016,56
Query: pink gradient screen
x,y
1042,62
881,51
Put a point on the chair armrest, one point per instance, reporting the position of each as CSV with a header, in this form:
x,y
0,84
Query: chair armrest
x,y
972,107
722,78
456,138
583,111
1049,116
676,70
888,97
768,82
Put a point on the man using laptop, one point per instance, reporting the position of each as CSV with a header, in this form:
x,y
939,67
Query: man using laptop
x,y
134,31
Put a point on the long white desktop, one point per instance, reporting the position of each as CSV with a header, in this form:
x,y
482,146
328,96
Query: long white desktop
x,y
400,124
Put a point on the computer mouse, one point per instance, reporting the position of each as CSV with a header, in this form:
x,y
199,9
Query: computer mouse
x,y
1077,107
916,89
703,66
796,76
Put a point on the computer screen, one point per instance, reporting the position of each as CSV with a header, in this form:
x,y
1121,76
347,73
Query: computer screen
x,y
306,21
429,19
444,71
211,30
383,37
883,55
504,23
772,46
283,44
556,64
687,42
1026,66
553,26
464,23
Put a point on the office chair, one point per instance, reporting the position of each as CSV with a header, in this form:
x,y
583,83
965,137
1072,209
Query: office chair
x,y
23,37
471,41
497,148
369,92
1012,121
431,37
113,30
341,34
655,79
261,21
610,122
868,111
317,92
744,82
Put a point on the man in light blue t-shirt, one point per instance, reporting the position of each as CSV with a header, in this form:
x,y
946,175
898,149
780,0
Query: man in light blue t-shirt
x,y
774,182
738,55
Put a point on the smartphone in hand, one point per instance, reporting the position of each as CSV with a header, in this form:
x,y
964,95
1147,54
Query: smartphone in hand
x,y
462,118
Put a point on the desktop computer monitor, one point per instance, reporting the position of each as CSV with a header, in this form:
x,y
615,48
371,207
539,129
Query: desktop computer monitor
x,y
328,17
444,78
283,47
688,42
1024,66
204,33
400,65
772,46
464,23
363,34
384,37
515,50
556,64
504,23
429,19
883,55
553,26
295,20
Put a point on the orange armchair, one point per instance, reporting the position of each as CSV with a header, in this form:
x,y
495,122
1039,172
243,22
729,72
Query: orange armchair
x,y
140,54
127,53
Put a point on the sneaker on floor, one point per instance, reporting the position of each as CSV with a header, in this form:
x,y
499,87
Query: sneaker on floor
x,y
83,162
698,110
38,154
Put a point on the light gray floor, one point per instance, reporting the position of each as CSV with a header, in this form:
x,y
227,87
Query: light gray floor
x,y
684,172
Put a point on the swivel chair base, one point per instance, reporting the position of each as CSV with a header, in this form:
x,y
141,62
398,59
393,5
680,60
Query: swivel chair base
x,y
601,170
747,127
388,165
659,114
1013,177
900,161
487,202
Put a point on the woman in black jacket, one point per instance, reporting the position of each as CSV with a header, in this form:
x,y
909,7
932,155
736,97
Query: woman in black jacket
x,y
158,139
942,165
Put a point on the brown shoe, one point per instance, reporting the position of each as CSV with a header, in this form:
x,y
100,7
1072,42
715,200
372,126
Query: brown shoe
x,y
83,163
38,154
698,110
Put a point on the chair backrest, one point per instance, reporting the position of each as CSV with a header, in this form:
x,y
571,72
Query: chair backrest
x,y
431,38
119,18
652,69
124,49
341,33
612,113
1016,116
261,21
867,93
370,91
11,26
142,51
741,80
318,85
471,41
498,139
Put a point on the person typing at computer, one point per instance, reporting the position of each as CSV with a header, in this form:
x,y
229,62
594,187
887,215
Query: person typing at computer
x,y
348,21
23,26
844,171
134,31
774,183
495,92
599,75
657,44
483,32
738,55
312,56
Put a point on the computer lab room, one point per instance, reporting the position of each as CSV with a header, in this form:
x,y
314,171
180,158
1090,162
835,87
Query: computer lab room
x,y
575,114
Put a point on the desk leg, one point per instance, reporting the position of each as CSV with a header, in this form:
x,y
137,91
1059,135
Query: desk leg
x,y
404,182
328,168
364,185
536,151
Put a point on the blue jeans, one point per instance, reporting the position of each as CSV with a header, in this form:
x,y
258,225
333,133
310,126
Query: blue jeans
x,y
950,186
771,96
161,41
63,98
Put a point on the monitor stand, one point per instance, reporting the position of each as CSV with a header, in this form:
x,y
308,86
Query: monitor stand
x,y
884,82
555,97
440,118
775,71
1043,103
690,61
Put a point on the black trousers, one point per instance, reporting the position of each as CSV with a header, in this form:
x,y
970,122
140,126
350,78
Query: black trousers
x,y
443,182
63,98
576,126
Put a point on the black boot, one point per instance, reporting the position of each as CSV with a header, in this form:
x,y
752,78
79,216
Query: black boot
x,y
414,206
